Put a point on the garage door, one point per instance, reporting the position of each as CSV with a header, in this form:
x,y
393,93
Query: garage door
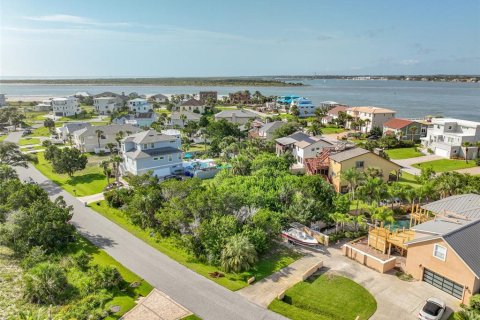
x,y
162,172
443,283
441,152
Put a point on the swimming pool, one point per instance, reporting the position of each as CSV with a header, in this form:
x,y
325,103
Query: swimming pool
x,y
398,224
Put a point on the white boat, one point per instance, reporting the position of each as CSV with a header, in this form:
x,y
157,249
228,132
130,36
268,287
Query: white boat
x,y
300,237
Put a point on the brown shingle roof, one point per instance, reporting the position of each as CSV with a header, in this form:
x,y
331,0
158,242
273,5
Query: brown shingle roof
x,y
397,123
336,110
192,102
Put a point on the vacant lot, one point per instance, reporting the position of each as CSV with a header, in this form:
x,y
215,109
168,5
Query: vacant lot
x,y
326,297
443,165
403,153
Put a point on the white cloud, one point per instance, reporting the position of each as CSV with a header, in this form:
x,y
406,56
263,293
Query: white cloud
x,y
409,62
66,18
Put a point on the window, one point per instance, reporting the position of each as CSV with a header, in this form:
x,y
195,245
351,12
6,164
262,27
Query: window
x,y
170,158
145,146
359,164
439,252
162,157
172,141
156,158
152,145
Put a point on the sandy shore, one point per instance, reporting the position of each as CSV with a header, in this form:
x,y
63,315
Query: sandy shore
x,y
28,98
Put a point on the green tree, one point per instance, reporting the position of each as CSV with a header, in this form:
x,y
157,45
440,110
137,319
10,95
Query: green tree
x,y
315,129
11,155
238,254
50,124
7,172
353,177
45,283
381,214
107,171
69,160
286,130
99,134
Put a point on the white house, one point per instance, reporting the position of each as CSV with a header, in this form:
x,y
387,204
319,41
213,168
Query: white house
x,y
266,131
371,116
139,105
95,138
68,128
302,146
105,105
160,98
140,119
65,107
45,105
3,101
152,151
305,107
446,136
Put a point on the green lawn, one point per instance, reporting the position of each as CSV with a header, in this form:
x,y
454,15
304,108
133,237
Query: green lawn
x,y
99,123
89,181
332,130
443,165
29,148
403,153
27,141
409,179
326,297
279,258
35,115
197,147
3,137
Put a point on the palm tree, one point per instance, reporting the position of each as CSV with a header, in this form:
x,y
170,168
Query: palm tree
x,y
352,176
466,145
183,118
110,146
366,122
70,138
381,214
241,165
467,315
99,135
337,217
412,130
238,254
105,165
372,190
315,129
118,137
116,160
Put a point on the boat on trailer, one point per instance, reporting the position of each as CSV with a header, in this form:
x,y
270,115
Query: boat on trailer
x,y
297,236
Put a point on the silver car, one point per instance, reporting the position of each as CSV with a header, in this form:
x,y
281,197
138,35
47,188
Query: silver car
x,y
432,310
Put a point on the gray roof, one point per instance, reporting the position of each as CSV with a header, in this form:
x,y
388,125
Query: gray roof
x,y
348,154
192,102
239,113
149,136
70,127
285,141
272,126
190,115
466,205
465,241
108,130
437,226
161,96
295,137
143,154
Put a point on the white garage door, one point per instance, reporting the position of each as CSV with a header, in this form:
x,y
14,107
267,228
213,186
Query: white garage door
x,y
442,152
162,172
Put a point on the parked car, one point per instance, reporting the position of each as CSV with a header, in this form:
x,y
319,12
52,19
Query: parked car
x,y
432,310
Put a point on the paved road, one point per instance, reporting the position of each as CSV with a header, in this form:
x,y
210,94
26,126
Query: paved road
x,y
197,293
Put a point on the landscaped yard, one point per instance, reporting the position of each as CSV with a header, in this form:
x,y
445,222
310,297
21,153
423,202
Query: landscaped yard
x,y
89,181
278,259
12,302
3,137
443,165
41,132
403,153
27,141
326,297
332,130
409,179
197,147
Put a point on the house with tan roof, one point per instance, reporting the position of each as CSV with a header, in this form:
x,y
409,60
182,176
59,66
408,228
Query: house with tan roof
x,y
370,117
192,105
151,151
404,129
332,114
239,116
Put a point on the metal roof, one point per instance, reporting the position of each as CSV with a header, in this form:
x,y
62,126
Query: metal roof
x,y
148,153
466,205
149,136
438,226
465,241
348,154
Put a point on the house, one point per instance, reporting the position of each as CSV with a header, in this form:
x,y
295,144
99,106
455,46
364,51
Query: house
x,y
286,100
139,119
240,97
205,95
404,129
370,117
446,136
151,151
159,98
338,161
445,250
45,105
3,101
181,118
302,146
95,138
332,114
192,105
139,105
112,94
68,128
239,116
106,105
266,131
305,107
83,94
65,107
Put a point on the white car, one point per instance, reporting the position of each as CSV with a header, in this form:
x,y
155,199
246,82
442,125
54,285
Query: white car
x,y
432,310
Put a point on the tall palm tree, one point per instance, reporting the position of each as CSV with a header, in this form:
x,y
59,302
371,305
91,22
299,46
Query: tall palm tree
x,y
366,122
466,145
116,160
238,254
315,129
412,130
105,165
352,176
118,137
110,146
183,118
372,190
99,135
381,214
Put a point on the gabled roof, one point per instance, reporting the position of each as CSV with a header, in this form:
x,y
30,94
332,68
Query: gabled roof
x,y
305,144
348,154
192,102
108,129
465,205
145,115
160,96
190,115
334,111
437,226
143,154
271,126
397,123
237,113
371,110
149,136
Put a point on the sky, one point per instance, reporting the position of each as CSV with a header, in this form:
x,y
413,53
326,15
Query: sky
x,y
180,38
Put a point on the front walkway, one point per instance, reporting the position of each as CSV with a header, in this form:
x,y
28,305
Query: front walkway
x,y
92,198
267,289
473,171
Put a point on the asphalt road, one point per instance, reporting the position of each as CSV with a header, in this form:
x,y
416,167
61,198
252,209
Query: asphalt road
x,y
200,295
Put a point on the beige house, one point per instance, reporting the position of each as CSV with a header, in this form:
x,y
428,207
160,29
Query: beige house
x,y
192,105
371,116
239,116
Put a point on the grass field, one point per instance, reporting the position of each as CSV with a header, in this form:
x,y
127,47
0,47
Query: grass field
x,y
41,132
3,137
332,130
409,179
326,297
89,181
278,259
403,153
12,302
443,165
26,141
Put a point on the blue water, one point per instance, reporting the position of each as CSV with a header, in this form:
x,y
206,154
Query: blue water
x,y
408,98
398,224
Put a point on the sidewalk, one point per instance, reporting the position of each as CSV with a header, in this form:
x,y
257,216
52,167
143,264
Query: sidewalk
x,y
92,198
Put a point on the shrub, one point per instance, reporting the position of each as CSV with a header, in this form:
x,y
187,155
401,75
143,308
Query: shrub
x,y
90,307
118,197
475,302
105,277
33,257
45,283
82,259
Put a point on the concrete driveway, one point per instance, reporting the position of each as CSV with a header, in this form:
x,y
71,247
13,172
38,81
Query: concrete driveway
x,y
407,163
